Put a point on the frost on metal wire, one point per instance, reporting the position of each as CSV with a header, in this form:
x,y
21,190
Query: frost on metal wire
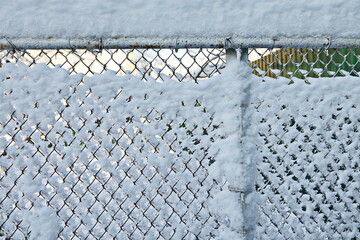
x,y
309,175
108,157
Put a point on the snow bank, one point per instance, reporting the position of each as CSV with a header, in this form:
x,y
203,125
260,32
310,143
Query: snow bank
x,y
111,18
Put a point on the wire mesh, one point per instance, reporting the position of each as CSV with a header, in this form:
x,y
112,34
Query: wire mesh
x,y
190,64
181,64
282,213
308,177
135,172
305,63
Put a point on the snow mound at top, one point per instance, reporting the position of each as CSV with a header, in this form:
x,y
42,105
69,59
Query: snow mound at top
x,y
111,18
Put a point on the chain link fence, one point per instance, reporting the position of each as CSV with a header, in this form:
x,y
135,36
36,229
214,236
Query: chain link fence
x,y
308,177
299,197
190,64
305,63
134,172
193,64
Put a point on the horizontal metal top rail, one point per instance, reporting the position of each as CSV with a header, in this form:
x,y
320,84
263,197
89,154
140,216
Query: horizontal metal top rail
x,y
177,42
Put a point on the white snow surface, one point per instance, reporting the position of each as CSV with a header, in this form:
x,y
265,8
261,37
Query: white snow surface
x,y
112,18
44,223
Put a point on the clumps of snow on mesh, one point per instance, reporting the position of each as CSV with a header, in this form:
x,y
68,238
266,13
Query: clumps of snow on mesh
x,y
73,123
164,125
309,176
43,221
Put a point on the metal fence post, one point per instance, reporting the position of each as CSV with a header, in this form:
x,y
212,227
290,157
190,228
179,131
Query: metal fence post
x,y
231,55
245,99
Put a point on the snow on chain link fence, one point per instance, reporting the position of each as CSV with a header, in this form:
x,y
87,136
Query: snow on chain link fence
x,y
125,159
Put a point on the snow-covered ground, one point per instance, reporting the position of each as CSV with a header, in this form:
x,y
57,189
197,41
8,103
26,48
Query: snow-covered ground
x,y
112,18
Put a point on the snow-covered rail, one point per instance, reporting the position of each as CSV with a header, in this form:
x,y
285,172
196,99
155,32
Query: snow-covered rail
x,y
178,42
